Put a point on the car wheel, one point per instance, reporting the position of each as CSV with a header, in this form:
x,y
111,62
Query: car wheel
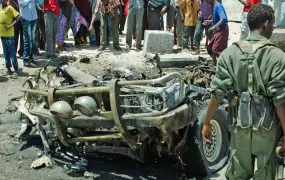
x,y
215,154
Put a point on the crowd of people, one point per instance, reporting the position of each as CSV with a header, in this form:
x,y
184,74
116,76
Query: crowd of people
x,y
43,24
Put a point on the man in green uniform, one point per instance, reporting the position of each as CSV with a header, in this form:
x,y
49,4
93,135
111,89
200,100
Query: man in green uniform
x,y
255,70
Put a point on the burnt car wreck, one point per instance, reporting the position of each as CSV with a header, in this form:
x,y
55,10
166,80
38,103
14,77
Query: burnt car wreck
x,y
76,113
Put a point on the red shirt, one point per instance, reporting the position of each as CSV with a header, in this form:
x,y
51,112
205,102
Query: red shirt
x,y
252,3
53,6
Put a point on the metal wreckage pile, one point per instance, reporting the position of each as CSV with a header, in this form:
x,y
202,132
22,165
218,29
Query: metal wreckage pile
x,y
77,114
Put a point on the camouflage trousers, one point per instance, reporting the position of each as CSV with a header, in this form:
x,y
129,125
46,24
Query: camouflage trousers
x,y
248,146
244,27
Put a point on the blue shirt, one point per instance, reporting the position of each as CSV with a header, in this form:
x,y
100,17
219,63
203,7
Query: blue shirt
x,y
136,4
218,14
28,9
157,3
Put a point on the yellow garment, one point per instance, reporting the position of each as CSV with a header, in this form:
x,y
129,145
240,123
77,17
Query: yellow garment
x,y
190,10
7,15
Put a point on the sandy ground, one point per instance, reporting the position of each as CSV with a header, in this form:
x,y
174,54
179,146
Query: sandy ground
x,y
15,162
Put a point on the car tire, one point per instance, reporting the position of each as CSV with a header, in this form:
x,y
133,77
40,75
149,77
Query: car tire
x,y
215,155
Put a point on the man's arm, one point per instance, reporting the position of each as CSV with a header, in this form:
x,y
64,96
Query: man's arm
x,y
13,23
40,2
223,17
23,3
220,85
39,8
212,109
280,111
180,4
244,2
164,9
276,86
222,21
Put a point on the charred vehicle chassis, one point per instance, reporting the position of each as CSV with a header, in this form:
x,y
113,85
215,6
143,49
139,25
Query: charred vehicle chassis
x,y
133,118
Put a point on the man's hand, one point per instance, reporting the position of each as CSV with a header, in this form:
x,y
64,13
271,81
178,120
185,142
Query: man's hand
x,y
8,27
90,28
207,22
207,132
212,29
246,4
282,150
163,11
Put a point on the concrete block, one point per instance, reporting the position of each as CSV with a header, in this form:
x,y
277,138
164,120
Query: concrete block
x,y
278,38
179,60
160,42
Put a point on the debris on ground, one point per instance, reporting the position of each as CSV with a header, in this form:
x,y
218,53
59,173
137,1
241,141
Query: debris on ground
x,y
43,161
85,59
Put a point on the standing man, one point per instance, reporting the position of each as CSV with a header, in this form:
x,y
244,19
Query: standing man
x,y
170,16
7,16
28,11
204,15
18,30
108,10
254,70
178,27
41,30
52,13
244,26
135,12
190,10
156,9
219,41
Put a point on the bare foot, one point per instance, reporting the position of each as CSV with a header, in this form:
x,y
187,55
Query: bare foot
x,y
178,47
196,52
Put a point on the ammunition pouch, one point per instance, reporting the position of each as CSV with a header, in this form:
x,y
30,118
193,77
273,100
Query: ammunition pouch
x,y
244,119
254,112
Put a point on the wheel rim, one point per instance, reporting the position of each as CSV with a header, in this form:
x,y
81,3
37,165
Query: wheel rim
x,y
212,151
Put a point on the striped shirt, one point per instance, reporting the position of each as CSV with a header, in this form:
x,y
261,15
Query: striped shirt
x,y
28,9
157,3
136,4
109,9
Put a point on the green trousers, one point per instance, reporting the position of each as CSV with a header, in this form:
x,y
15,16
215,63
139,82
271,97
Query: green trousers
x,y
248,146
115,28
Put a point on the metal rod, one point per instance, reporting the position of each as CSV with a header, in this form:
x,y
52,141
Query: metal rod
x,y
90,90
72,86
94,138
163,79
43,93
152,105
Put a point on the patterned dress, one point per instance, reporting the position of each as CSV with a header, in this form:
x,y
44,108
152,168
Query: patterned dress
x,y
61,29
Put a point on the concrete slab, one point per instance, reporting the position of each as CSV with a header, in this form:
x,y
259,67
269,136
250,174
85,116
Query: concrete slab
x,y
278,38
160,42
179,60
